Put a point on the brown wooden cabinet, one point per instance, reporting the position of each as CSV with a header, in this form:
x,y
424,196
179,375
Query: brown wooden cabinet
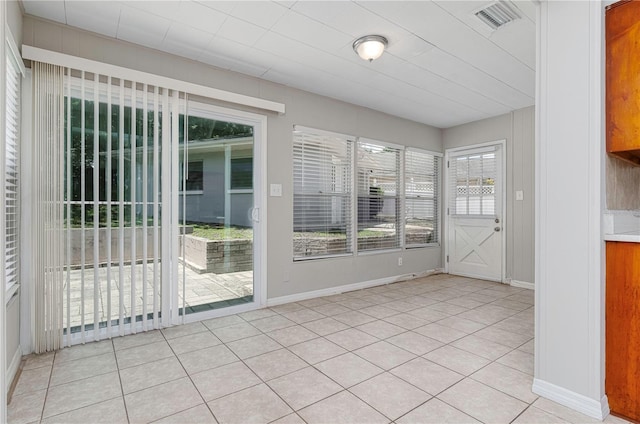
x,y
622,375
623,80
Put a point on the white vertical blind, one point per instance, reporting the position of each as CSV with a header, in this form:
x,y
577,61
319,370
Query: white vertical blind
x,y
100,204
379,195
145,202
96,203
421,189
109,198
133,180
472,183
322,194
155,181
47,216
12,172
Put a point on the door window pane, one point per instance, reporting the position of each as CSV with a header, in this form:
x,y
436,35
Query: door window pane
x,y
216,241
473,188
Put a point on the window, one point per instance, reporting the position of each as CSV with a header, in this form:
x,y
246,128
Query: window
x,y
421,190
322,193
241,173
12,172
354,194
473,188
378,196
195,176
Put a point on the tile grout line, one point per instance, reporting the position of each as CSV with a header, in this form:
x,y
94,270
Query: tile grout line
x,y
190,379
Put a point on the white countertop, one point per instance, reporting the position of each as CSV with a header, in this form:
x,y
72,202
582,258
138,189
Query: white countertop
x,y
622,226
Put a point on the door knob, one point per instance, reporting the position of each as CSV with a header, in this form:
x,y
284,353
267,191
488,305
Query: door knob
x,y
497,220
496,229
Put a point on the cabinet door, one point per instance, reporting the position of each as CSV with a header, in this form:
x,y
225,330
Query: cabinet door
x,y
623,80
622,379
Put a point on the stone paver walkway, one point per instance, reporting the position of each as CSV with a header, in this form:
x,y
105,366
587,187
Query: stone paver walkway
x,y
201,292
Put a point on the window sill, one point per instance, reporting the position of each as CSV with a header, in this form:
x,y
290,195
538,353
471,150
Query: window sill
x,y
312,258
379,251
421,246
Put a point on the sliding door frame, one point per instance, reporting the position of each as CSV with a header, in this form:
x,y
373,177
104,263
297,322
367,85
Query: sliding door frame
x,y
259,212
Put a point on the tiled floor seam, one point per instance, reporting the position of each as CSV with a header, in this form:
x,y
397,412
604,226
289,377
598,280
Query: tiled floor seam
x,y
190,379
75,409
501,391
460,410
124,403
262,381
46,395
523,411
384,415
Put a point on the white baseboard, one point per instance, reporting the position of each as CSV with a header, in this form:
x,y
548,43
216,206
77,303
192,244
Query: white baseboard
x,y
522,284
591,407
12,369
349,287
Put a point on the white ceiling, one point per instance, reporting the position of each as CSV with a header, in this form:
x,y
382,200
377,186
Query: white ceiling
x,y
443,66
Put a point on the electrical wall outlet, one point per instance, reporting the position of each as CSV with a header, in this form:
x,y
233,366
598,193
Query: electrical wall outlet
x,y
276,190
400,261
519,195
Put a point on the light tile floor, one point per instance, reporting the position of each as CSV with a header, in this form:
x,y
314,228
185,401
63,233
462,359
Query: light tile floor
x,y
440,349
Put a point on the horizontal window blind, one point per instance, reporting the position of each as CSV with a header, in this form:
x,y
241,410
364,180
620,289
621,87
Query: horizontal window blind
x,y
421,187
322,195
472,186
378,196
12,180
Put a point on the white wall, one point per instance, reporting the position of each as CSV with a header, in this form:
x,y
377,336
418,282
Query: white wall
x,y
517,128
284,276
569,349
14,20
12,325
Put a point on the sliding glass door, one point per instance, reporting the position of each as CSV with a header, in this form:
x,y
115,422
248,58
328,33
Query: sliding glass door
x,y
160,208
216,211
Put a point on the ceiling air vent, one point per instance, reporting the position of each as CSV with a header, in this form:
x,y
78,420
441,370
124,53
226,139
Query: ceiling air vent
x,y
497,15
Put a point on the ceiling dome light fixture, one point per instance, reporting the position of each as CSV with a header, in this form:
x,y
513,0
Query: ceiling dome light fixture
x,y
370,47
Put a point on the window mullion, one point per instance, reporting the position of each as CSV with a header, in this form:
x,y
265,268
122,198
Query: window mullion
x,y
400,195
354,196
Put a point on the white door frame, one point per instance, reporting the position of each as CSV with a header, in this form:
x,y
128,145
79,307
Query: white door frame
x,y
447,154
259,123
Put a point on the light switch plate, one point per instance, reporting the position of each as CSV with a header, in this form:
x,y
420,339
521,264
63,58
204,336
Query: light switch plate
x,y
519,195
275,190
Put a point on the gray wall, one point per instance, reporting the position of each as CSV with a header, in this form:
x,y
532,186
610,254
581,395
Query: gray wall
x,y
284,277
623,182
208,206
14,20
517,128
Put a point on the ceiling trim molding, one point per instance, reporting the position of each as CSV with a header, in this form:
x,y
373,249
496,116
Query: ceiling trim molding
x,y
61,59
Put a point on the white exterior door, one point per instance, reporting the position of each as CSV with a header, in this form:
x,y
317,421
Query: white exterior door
x,y
475,241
